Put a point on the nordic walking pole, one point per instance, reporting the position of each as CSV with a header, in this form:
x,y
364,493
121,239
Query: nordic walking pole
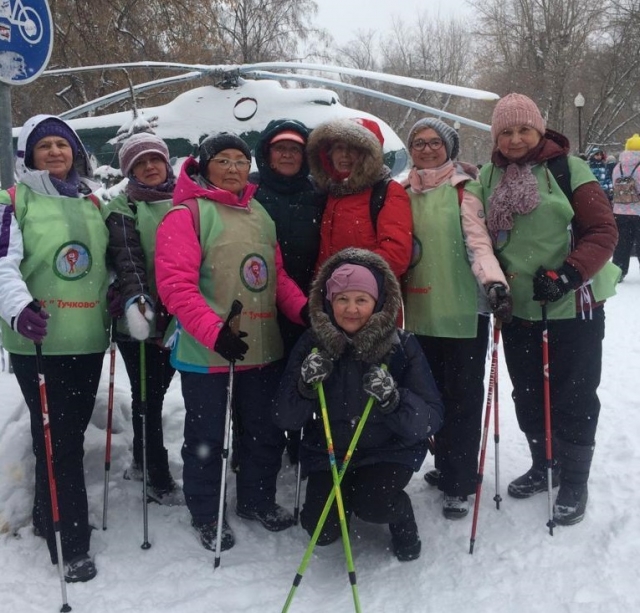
x,y
296,505
53,489
327,506
547,413
496,419
233,321
107,450
143,417
485,430
339,502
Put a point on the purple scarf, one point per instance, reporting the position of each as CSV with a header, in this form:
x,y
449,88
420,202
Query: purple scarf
x,y
70,187
140,192
516,193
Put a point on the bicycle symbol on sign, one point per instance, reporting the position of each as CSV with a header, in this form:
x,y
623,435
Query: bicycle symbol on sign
x,y
25,17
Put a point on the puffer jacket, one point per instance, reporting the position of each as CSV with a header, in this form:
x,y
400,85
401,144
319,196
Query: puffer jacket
x,y
346,221
293,203
400,436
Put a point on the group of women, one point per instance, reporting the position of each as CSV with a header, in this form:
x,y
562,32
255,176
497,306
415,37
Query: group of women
x,y
401,281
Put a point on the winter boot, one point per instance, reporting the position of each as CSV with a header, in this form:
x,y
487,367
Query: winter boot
x,y
432,477
208,531
162,488
575,464
405,540
455,507
271,515
80,568
534,480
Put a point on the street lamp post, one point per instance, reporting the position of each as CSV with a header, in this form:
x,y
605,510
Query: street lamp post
x,y
579,104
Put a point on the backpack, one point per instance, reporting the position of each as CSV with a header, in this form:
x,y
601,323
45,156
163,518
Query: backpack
x,y
624,188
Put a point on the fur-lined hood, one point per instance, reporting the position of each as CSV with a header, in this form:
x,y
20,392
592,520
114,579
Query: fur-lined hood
x,y
378,336
368,171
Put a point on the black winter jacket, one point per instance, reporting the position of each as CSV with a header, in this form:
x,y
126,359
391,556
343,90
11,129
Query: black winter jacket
x,y
400,436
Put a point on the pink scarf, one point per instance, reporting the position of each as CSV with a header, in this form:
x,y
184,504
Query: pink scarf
x,y
516,193
428,178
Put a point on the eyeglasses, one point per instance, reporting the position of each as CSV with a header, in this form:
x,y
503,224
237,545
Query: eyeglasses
x,y
433,144
226,163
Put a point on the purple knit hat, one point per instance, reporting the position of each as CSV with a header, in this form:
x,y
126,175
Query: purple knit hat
x,y
138,145
516,110
350,277
49,127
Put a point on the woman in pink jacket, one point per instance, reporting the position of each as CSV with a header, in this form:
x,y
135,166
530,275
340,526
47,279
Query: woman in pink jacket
x,y
220,246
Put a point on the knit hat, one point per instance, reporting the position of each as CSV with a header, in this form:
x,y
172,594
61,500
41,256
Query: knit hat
x,y
215,143
633,143
370,125
516,110
49,127
291,135
448,135
137,145
350,277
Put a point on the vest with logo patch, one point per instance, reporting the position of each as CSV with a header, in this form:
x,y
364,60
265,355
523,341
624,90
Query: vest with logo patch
x,y
440,290
64,266
238,263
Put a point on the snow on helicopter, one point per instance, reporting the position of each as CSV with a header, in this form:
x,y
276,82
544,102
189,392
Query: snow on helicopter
x,y
243,99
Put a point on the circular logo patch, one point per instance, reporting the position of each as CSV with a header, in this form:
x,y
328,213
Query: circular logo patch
x,y
72,261
254,272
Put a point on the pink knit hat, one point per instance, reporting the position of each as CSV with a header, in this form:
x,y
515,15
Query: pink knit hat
x,y
516,110
350,277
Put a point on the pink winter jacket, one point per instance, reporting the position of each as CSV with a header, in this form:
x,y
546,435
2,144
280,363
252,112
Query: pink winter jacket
x,y
178,258
484,264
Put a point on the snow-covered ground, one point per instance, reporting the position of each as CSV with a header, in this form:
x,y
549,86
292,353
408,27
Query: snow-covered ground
x,y
517,567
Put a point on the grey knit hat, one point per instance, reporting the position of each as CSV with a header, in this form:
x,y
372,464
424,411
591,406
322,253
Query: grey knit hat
x,y
215,143
448,135
138,145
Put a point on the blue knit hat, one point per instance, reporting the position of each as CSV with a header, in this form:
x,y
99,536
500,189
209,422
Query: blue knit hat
x,y
50,127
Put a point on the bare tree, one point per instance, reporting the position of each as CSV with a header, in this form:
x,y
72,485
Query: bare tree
x,y
263,30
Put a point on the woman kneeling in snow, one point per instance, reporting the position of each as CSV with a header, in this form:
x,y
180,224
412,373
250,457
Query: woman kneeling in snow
x,y
353,306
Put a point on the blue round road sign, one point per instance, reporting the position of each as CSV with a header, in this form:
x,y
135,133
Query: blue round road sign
x,y
26,40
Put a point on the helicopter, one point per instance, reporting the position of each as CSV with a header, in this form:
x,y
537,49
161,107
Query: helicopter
x,y
243,99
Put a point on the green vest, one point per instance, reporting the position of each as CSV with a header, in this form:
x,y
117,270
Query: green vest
x,y
440,290
64,266
148,216
238,262
543,238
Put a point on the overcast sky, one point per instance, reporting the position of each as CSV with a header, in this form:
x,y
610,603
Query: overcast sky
x,y
343,18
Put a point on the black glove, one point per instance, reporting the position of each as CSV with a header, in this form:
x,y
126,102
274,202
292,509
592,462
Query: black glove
x,y
379,384
500,301
551,285
316,367
229,345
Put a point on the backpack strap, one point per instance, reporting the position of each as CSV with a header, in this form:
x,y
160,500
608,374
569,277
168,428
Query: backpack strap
x,y
192,205
12,194
95,200
460,188
559,168
377,198
632,171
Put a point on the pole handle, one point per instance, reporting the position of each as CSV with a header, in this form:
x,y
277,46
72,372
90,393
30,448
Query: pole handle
x,y
233,319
